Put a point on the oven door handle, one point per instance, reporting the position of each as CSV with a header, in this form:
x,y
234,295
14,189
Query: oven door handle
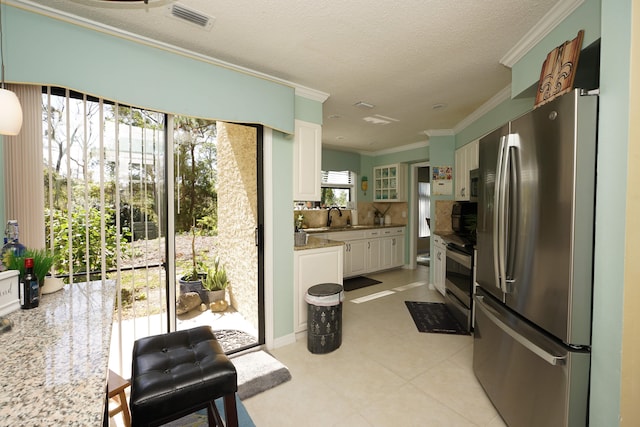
x,y
462,259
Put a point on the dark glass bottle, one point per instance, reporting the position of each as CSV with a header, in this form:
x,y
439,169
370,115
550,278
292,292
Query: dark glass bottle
x,y
29,288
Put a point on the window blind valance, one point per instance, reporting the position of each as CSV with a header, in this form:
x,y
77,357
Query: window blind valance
x,y
127,71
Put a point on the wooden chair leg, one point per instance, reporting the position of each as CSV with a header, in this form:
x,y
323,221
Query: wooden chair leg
x,y
126,416
214,416
230,410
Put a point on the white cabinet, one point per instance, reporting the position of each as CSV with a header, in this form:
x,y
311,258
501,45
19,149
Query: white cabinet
x,y
466,159
312,267
355,255
307,161
439,263
392,248
389,183
366,251
373,255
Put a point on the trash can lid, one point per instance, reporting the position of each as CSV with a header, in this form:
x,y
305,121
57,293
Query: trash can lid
x,y
325,289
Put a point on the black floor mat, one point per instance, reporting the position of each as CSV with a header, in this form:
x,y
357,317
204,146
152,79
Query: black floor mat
x,y
358,282
434,317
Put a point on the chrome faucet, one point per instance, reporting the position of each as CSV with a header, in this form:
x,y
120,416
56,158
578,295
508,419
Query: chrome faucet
x,y
329,214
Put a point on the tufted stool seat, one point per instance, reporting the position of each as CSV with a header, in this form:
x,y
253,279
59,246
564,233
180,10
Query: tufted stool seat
x,y
178,373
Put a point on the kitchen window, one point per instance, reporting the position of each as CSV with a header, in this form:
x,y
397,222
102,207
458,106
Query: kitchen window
x,y
337,189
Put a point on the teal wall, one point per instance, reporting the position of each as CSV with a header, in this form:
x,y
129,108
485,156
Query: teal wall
x,y
610,233
504,112
337,160
282,165
526,72
414,155
308,110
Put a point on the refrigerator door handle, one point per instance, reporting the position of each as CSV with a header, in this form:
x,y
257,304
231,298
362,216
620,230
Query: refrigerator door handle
x,y
511,200
498,215
494,316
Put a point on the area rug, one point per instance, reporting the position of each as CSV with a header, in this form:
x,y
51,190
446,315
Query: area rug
x,y
199,419
434,317
258,371
358,282
232,339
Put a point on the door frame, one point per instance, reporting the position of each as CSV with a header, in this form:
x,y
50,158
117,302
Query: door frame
x,y
413,214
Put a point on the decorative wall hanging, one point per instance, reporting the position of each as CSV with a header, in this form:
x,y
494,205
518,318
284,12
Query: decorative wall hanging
x,y
559,70
442,180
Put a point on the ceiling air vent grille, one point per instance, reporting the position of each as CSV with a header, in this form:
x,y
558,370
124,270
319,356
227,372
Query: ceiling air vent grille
x,y
192,16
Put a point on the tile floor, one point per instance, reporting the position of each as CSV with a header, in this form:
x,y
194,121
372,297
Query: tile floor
x,y
385,373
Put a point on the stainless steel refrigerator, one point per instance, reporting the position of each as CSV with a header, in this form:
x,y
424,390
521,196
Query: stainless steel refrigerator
x,y
534,268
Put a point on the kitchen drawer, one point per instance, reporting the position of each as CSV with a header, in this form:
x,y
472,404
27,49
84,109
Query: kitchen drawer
x,y
370,234
346,235
392,231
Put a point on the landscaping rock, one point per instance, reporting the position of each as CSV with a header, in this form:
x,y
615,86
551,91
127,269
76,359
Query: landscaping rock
x,y
218,306
187,302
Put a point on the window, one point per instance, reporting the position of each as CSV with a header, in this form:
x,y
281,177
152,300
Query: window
x,y
337,189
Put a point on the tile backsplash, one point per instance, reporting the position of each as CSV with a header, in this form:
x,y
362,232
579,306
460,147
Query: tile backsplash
x,y
366,213
443,216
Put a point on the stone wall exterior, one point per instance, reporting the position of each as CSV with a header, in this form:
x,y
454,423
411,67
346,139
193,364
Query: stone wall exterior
x,y
238,215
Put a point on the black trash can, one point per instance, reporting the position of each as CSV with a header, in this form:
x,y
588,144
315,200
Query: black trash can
x,y
324,317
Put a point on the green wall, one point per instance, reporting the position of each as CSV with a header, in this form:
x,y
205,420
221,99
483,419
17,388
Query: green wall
x,y
308,110
282,166
526,71
337,160
610,233
504,112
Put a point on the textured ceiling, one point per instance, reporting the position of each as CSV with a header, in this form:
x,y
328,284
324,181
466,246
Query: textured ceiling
x,y
401,56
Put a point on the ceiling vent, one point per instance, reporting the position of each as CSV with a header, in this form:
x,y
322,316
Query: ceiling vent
x,y
376,120
363,105
194,17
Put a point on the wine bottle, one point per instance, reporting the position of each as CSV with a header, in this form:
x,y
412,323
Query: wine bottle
x,y
30,289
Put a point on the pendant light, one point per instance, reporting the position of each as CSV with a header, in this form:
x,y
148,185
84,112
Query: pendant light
x,y
10,109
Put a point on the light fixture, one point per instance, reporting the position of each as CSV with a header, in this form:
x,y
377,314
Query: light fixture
x,y
10,109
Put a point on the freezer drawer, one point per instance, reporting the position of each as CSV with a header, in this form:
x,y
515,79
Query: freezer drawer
x,y
531,379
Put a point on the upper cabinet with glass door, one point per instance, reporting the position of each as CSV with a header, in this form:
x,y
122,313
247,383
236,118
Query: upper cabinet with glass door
x,y
389,183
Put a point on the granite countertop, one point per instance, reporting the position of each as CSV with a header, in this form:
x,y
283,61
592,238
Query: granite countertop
x,y
317,243
349,228
54,359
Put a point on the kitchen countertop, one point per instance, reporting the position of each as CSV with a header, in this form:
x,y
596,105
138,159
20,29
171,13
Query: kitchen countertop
x,y
318,243
54,359
349,228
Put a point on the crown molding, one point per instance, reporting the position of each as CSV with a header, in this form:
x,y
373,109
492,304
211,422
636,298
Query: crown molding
x,y
116,32
312,94
412,146
492,103
549,21
439,132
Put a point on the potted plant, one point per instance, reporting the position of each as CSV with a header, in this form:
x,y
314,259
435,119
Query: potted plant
x,y
42,262
192,281
216,282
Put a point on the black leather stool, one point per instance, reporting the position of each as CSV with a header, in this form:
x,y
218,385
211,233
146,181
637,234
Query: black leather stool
x,y
178,373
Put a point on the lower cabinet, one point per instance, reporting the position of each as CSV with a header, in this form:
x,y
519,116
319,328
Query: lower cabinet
x,y
312,267
439,263
366,251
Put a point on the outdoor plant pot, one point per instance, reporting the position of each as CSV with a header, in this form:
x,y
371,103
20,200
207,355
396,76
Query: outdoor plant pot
x,y
216,295
194,286
51,285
